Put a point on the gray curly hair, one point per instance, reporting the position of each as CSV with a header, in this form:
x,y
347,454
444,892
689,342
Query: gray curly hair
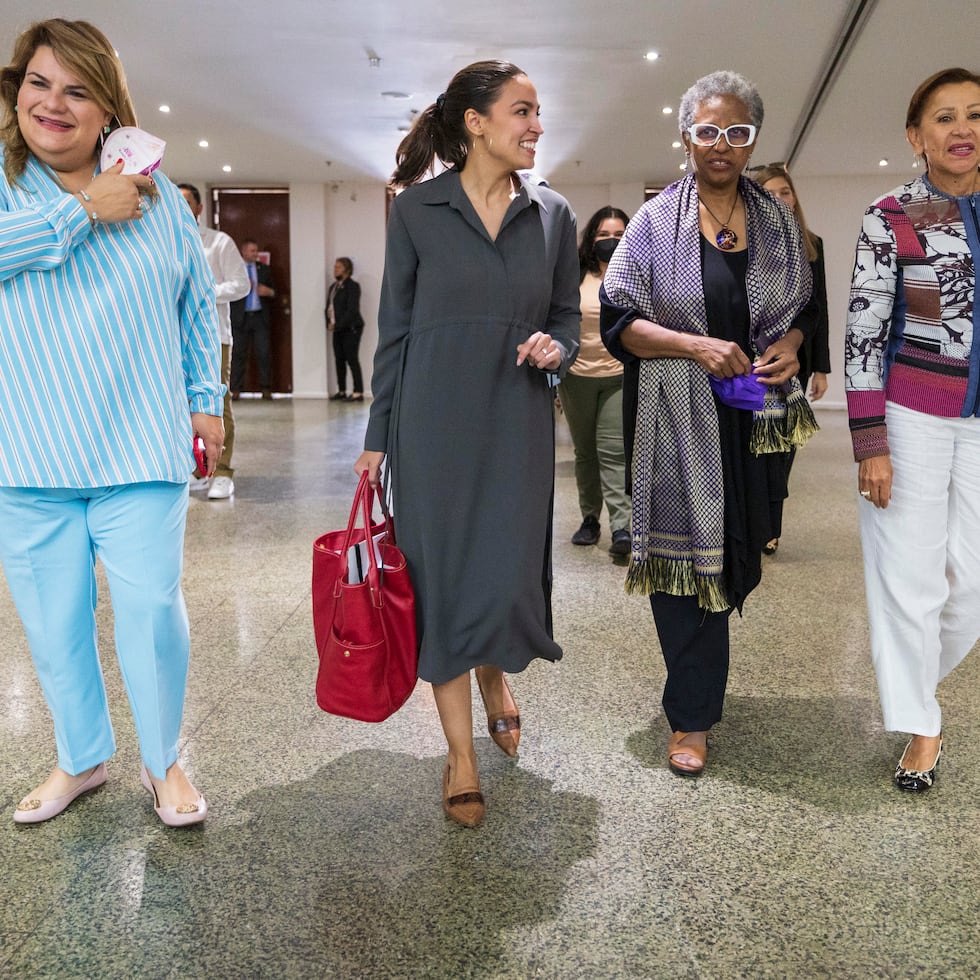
x,y
715,84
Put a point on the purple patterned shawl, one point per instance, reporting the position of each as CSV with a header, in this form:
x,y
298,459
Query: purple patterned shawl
x,y
678,491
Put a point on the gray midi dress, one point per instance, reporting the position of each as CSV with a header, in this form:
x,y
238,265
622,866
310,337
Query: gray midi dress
x,y
470,435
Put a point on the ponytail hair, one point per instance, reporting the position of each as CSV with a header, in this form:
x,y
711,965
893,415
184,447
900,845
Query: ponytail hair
x,y
440,130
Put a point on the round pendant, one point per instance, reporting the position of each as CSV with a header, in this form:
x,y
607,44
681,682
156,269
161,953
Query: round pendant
x,y
726,239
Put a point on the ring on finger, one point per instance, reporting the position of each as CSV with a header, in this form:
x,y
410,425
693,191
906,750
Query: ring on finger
x,y
866,494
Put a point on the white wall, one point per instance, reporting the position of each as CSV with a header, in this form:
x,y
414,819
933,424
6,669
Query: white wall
x,y
834,207
307,246
586,199
327,221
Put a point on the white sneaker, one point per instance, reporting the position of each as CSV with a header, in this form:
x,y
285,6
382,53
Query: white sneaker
x,y
222,487
198,483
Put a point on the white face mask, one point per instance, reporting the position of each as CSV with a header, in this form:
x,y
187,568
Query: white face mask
x,y
139,151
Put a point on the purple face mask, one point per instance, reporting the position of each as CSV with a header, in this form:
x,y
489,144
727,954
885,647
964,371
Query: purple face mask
x,y
743,391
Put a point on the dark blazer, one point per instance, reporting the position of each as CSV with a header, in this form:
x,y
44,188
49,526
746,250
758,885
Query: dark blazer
x,y
814,353
346,305
237,309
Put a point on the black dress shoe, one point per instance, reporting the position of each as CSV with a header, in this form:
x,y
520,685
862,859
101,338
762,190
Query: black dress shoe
x,y
620,547
916,780
341,396
588,533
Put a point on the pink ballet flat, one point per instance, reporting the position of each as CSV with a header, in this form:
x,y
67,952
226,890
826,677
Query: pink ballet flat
x,y
37,811
182,815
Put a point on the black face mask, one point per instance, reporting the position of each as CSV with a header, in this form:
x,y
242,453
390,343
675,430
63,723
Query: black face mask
x,y
604,248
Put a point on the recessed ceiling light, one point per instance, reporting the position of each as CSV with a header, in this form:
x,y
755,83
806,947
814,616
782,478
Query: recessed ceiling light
x,y
651,56
882,163
203,144
667,110
399,96
676,145
165,108
226,168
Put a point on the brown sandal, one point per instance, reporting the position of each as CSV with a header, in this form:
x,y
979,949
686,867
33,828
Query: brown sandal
x,y
678,746
467,808
504,726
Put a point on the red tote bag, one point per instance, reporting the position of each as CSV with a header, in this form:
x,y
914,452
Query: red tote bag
x,y
363,617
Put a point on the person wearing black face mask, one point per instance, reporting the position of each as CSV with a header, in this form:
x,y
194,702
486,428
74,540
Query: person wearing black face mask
x,y
592,398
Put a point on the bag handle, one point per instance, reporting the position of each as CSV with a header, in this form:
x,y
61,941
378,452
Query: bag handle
x,y
364,500
363,503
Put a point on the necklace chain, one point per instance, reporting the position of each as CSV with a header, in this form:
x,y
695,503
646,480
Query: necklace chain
x,y
726,239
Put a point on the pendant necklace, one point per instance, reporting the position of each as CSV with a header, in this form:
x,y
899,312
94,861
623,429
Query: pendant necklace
x,y
726,239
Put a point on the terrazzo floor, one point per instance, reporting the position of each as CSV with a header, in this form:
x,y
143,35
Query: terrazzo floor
x,y
326,852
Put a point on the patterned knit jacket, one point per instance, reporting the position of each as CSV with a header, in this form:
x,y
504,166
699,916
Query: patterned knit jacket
x,y
912,316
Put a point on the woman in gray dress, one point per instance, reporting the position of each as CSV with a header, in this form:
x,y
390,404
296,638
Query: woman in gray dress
x,y
479,317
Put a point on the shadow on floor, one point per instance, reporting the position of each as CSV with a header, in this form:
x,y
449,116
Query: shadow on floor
x,y
819,751
354,872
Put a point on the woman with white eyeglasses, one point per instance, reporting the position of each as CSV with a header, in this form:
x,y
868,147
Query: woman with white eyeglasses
x,y
700,300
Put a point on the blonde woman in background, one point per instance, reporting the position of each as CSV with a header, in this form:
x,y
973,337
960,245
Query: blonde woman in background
x,y
814,353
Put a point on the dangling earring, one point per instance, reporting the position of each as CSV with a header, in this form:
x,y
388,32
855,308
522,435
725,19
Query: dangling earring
x,y
106,129
490,144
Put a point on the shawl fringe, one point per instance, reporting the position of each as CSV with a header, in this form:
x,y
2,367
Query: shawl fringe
x,y
780,433
675,577
678,481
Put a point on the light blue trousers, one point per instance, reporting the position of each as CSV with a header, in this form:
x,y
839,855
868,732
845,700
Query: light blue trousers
x,y
49,541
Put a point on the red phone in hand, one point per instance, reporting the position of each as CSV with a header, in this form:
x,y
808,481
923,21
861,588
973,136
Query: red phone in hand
x,y
200,456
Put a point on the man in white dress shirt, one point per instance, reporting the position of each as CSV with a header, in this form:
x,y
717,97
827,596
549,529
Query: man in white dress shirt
x,y
231,283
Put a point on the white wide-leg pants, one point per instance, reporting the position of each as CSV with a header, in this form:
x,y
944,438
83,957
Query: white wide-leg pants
x,y
922,564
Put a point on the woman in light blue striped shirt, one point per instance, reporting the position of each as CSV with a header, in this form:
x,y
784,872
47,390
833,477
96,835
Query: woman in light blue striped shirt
x,y
109,366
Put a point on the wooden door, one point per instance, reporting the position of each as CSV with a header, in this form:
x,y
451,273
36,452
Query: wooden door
x,y
262,213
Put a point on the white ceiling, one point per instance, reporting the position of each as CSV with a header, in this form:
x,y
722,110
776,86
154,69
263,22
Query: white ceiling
x,y
280,88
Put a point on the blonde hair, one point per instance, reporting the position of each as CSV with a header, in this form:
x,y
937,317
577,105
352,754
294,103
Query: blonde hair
x,y
771,171
82,50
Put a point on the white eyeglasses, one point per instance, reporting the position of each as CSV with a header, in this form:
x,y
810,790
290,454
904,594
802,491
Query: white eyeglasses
x,y
741,134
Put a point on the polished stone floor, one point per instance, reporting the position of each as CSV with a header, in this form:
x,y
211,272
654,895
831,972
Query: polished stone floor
x,y
326,853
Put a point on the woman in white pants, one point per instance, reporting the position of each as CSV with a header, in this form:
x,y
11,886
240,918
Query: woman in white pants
x,y
913,393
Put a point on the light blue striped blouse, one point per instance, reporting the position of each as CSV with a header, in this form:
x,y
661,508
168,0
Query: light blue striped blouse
x,y
108,339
